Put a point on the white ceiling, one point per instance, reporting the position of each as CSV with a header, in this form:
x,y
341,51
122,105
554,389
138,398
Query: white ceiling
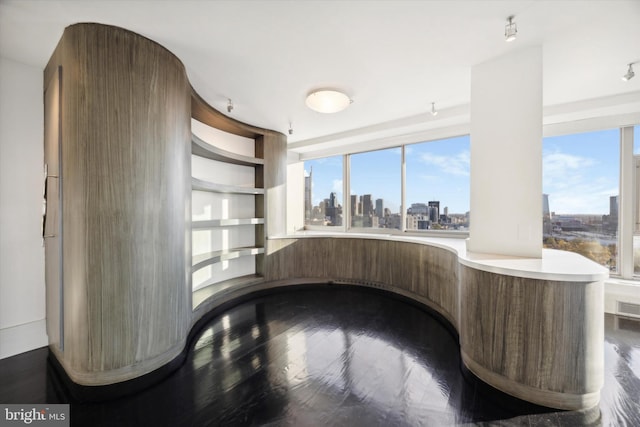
x,y
392,57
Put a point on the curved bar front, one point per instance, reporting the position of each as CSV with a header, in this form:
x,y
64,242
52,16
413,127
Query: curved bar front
x,y
525,326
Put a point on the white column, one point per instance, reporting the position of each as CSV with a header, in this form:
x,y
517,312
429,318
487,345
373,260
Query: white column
x,y
506,155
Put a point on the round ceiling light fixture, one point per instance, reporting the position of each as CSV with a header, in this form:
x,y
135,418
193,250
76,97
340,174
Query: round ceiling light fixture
x,y
328,101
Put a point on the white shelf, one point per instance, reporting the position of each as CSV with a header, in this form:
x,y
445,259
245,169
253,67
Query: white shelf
x,y
198,184
210,289
212,223
219,176
203,149
203,260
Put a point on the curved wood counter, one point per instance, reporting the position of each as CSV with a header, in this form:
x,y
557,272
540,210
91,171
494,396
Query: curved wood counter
x,y
528,327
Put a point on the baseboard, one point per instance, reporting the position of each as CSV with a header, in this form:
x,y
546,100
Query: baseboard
x,y
22,338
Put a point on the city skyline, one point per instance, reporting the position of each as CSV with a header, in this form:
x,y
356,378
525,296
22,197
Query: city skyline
x,y
580,173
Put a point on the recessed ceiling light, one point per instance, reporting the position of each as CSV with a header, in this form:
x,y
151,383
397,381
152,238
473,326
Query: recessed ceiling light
x,y
328,101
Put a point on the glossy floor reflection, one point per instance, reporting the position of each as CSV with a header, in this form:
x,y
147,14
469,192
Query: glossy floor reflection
x,y
332,355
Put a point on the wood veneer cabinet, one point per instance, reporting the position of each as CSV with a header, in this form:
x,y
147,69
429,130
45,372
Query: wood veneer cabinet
x,y
117,232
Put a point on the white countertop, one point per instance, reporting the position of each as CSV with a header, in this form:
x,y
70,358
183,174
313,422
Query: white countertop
x,y
554,264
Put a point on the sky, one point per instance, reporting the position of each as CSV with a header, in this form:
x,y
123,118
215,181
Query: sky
x,y
580,173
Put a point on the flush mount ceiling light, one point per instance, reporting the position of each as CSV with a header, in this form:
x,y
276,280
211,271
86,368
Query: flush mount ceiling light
x,y
328,101
510,30
629,74
434,112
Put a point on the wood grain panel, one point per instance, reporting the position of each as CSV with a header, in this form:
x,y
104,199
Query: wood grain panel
x,y
205,113
273,147
425,272
540,334
126,170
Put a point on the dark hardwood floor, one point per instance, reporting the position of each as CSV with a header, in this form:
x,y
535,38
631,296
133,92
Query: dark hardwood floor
x,y
330,355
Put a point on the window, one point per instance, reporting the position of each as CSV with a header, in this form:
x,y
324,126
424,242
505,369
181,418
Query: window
x,y
323,198
437,184
375,189
581,194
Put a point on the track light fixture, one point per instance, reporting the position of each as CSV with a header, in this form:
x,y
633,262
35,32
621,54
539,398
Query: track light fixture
x,y
229,106
434,112
629,74
510,30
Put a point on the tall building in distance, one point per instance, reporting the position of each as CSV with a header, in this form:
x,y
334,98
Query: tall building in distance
x,y
610,222
379,208
333,210
547,226
355,206
367,205
308,200
434,212
613,206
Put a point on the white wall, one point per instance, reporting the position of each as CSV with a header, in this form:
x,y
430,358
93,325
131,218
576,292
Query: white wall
x,y
295,197
506,155
22,290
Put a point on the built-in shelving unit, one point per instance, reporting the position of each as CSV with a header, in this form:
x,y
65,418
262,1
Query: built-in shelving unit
x,y
217,289
226,222
202,260
228,227
208,151
198,184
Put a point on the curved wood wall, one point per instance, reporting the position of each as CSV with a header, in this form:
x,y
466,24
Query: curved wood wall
x,y
425,273
125,173
539,340
118,110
